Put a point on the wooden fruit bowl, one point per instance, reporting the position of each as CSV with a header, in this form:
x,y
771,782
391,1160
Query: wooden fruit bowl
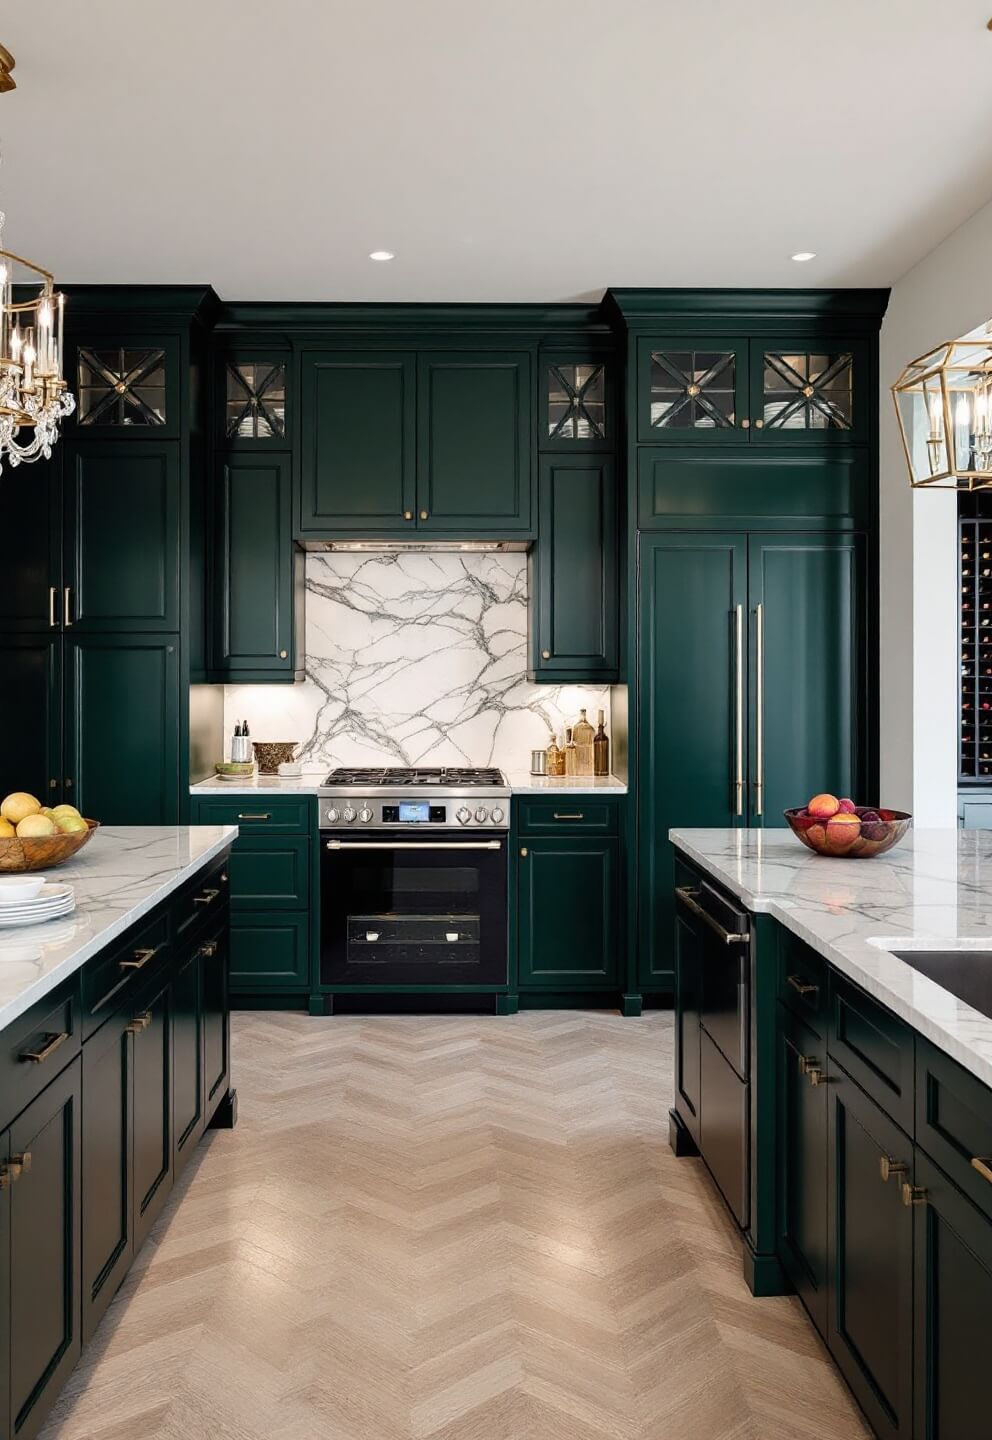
x,y
41,852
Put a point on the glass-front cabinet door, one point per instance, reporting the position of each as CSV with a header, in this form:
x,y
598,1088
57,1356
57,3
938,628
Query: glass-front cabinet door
x,y
577,407
807,392
127,388
254,399
693,390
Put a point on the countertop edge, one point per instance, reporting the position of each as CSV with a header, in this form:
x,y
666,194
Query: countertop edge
x,y
928,1027
309,786
38,989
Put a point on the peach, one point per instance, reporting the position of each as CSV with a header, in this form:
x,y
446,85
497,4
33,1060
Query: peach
x,y
848,807
823,806
816,835
843,830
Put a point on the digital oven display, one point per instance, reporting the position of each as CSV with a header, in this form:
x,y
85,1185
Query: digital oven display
x,y
414,812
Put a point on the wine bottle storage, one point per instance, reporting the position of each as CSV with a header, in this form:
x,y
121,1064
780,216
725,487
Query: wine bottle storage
x,y
976,649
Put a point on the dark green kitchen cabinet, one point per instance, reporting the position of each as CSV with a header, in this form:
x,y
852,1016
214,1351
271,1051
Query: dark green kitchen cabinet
x,y
216,1018
577,399
121,728
31,595
44,1204
187,1055
108,1166
121,536
573,580
256,606
693,390
270,952
128,385
953,1291
153,1129
870,1322
31,714
802,1163
568,912
474,443
5,1316
688,1013
358,457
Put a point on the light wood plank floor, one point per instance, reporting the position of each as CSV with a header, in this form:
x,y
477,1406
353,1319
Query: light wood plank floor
x,y
449,1229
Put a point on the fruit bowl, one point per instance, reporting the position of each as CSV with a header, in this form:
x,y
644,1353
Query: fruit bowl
x,y
871,836
40,852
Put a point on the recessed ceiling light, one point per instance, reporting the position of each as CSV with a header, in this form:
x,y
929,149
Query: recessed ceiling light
x,y
805,255
381,255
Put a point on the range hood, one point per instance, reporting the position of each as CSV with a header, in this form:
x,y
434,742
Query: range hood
x,y
385,546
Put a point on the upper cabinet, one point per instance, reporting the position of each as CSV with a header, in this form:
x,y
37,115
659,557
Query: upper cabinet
x,y
126,387
578,405
767,391
254,392
394,442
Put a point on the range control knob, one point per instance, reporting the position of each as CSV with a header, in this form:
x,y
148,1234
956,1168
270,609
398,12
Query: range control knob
x,y
331,816
365,814
348,814
481,815
496,815
463,815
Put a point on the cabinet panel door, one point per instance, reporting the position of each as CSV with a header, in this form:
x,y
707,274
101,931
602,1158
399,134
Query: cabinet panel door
x,y
574,571
31,729
214,961
953,1305
270,951
4,1290
568,912
45,1338
807,611
153,1167
693,391
359,429
187,1059
122,728
802,1164
870,1253
270,872
121,536
108,1171
254,593
688,1001
691,667
31,594
474,443
807,393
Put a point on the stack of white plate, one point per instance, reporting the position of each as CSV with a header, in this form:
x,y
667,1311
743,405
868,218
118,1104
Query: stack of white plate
x,y
26,900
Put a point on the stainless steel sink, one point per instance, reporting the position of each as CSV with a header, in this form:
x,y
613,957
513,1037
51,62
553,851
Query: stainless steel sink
x,y
965,973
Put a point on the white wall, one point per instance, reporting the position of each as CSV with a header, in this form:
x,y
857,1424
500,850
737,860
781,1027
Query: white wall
x,y
947,294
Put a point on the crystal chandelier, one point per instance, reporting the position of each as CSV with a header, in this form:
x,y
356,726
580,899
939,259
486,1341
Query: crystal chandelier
x,y
34,397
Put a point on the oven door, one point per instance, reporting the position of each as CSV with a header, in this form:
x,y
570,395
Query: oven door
x,y
402,909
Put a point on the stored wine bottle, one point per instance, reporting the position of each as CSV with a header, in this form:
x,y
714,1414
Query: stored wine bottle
x,y
569,753
601,748
583,735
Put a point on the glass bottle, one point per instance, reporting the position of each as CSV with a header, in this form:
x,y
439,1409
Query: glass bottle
x,y
552,756
559,769
583,735
601,748
570,753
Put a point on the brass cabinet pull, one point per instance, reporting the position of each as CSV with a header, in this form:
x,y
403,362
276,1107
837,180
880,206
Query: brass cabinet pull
x,y
983,1164
523,851
266,816
51,606
207,898
759,424
5,1178
407,514
801,986
140,958
812,1069
423,514
887,1167
759,707
38,1057
914,1194
65,607
283,654
20,1164
579,816
209,950
739,709
545,654
745,423
139,1023
687,896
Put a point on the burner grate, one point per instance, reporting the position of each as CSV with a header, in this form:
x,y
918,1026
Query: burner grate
x,y
453,775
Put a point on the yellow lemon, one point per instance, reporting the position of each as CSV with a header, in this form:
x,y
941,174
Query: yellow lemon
x,y
61,810
70,823
17,805
35,826
6,830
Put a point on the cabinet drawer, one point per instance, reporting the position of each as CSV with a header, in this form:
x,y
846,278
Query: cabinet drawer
x,y
802,979
199,903
724,1127
37,1046
269,952
954,1122
874,1048
568,812
111,977
270,874
255,811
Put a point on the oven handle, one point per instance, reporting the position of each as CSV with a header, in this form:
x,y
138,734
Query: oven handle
x,y
413,844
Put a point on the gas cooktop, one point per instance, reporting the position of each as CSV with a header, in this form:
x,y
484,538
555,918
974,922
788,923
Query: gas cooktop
x,y
445,795
456,776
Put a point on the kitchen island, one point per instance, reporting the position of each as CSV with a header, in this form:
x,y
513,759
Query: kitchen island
x,y
114,1059
842,1099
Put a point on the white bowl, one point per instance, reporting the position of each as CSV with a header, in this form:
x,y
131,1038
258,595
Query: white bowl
x,y
20,887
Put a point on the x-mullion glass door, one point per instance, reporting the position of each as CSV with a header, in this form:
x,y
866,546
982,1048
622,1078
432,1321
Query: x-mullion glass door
x,y
807,392
693,390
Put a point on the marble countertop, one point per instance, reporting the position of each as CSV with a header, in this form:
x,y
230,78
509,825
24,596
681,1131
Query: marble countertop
x,y
933,891
519,781
120,876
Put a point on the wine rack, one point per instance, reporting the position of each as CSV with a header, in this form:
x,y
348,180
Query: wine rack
x,y
975,717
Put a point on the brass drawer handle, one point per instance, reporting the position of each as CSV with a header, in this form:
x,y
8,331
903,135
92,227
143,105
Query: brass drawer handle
x,y
38,1057
140,958
580,816
812,1069
914,1194
51,607
423,514
266,816
20,1164
983,1164
887,1167
801,986
207,898
65,607
139,1023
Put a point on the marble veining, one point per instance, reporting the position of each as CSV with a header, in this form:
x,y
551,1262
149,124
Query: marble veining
x,y
414,658
121,875
933,891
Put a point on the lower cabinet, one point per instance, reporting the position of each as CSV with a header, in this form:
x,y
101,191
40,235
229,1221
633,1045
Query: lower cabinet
x,y
108,1166
568,906
802,1163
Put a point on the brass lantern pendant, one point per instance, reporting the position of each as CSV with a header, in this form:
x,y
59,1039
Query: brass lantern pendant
x,y
944,404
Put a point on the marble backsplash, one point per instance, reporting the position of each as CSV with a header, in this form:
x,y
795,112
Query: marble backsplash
x,y
414,658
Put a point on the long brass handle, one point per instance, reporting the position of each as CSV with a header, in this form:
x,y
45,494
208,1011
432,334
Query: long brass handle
x,y
983,1164
739,709
20,1165
688,898
413,845
207,898
887,1167
579,816
801,986
266,816
51,607
140,958
759,708
65,607
38,1057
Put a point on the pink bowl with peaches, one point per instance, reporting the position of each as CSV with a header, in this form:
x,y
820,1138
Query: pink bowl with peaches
x,y
845,831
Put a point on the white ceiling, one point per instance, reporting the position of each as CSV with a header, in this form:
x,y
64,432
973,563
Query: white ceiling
x,y
515,150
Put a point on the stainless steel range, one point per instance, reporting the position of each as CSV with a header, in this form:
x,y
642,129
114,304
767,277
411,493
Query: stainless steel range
x,y
414,879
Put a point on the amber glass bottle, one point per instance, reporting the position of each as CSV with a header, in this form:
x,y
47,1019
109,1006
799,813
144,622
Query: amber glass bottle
x,y
601,748
570,753
583,735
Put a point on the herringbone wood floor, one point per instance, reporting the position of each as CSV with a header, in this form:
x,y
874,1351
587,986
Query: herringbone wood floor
x,y
449,1229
